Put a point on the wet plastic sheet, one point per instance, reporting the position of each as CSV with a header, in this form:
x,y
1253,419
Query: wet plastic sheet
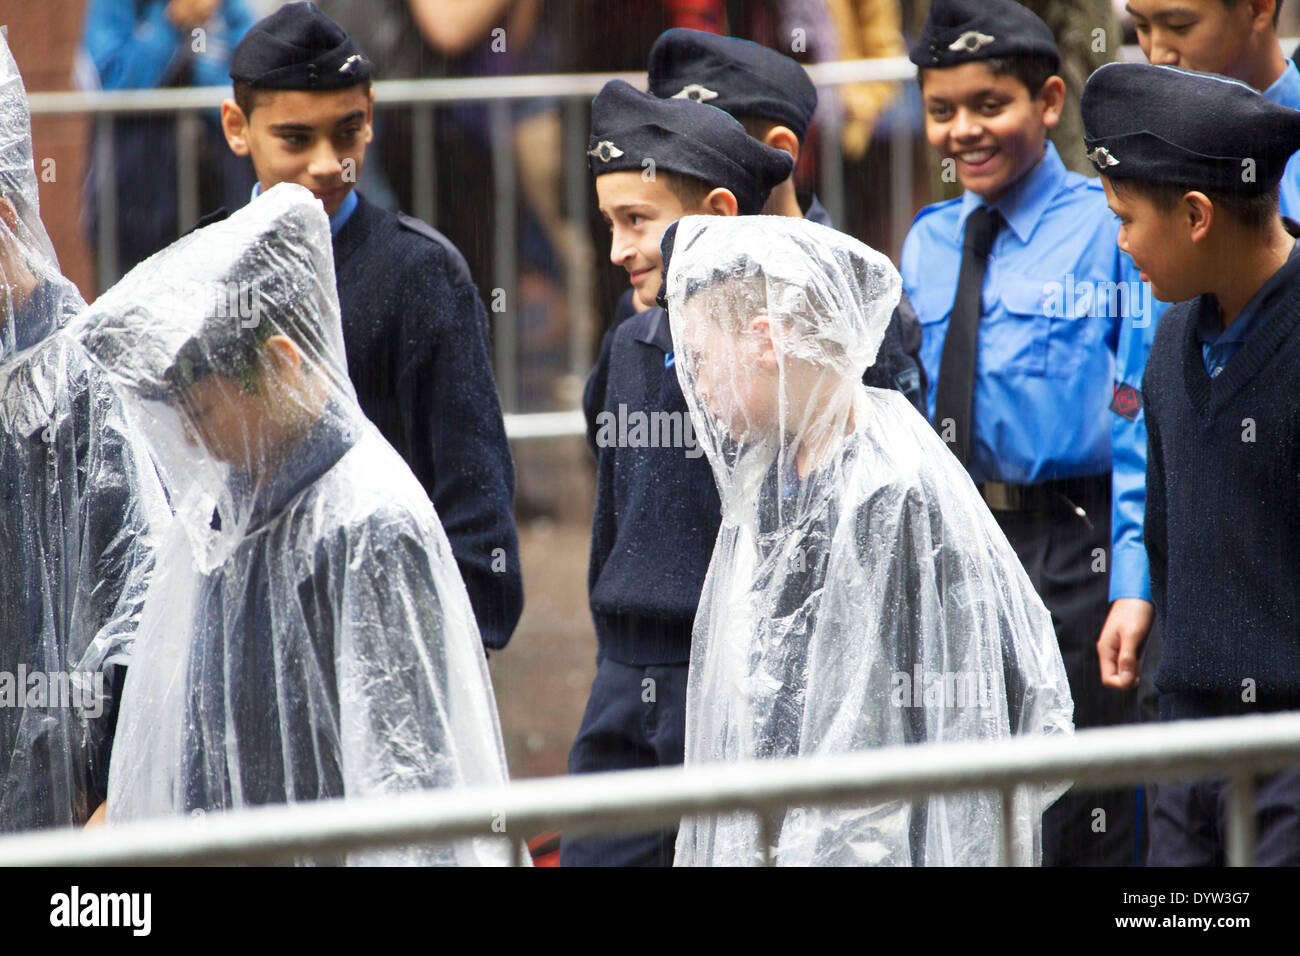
x,y
860,594
308,635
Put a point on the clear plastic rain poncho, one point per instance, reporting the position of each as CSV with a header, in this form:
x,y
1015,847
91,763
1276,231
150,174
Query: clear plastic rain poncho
x,y
307,634
77,501
860,593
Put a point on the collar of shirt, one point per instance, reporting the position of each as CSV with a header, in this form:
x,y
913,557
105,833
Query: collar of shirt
x,y
1209,325
1285,90
341,215
1023,205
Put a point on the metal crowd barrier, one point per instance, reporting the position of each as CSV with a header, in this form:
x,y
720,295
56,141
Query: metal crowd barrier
x,y
1236,748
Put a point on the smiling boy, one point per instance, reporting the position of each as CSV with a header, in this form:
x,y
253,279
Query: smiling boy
x,y
414,326
657,508
1020,374
1191,165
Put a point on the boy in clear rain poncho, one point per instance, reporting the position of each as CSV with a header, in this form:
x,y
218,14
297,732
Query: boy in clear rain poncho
x,y
77,499
860,593
307,635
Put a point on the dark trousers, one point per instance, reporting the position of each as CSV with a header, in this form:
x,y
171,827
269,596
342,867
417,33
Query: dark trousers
x,y
1059,550
1190,823
635,718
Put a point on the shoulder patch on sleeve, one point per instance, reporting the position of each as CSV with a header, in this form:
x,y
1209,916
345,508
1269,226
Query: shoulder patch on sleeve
x,y
1127,401
457,267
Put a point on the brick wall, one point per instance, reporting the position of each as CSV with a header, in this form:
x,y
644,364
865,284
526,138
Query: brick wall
x,y
43,35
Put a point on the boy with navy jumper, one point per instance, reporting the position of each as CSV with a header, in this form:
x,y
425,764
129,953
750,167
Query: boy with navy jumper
x,y
1191,165
1237,39
1021,299
774,100
657,509
414,327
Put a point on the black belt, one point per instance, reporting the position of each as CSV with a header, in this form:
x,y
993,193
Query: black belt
x,y
1077,494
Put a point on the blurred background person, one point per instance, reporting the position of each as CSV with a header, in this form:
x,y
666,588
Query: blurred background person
x,y
154,44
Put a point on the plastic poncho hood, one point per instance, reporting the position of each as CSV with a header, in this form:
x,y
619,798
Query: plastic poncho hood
x,y
860,593
78,503
307,635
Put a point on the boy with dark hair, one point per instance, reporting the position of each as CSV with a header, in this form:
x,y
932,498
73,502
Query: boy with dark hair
x,y
773,98
657,508
307,635
414,325
1022,300
1233,38
1191,164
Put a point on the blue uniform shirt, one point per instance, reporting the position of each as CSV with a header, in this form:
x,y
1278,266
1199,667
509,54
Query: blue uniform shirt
x,y
1057,292
1285,91
341,215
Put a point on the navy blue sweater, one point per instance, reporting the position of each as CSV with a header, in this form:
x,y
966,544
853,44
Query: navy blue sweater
x,y
657,508
1223,516
416,335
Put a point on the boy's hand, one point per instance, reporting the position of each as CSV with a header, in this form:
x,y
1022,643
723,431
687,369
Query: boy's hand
x,y
1122,636
17,282
99,817
186,14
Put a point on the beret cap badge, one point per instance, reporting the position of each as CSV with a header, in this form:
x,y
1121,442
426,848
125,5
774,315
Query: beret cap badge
x,y
971,41
605,151
1101,158
696,92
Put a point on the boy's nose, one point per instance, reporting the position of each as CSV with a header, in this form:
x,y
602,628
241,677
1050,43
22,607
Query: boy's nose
x,y
325,163
1162,54
620,250
967,125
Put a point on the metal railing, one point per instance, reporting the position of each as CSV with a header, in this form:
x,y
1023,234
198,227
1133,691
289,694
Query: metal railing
x,y
1237,748
422,97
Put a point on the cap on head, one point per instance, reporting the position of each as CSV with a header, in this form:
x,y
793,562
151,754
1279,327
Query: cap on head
x,y
299,48
742,77
965,31
629,127
1167,125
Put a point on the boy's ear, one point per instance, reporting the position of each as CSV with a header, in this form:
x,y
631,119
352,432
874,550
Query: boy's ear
x,y
1052,96
784,139
760,326
1198,213
235,125
1261,15
370,117
282,353
721,202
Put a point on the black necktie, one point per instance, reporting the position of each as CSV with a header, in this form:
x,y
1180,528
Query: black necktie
x,y
957,366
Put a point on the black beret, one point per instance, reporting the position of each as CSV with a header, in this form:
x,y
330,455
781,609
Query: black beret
x,y
739,76
1163,124
963,31
299,48
682,136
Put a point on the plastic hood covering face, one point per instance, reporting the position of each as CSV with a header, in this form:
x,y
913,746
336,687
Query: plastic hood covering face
x,y
307,634
860,594
78,499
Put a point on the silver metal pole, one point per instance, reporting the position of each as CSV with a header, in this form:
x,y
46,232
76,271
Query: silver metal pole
x,y
581,274
425,188
105,202
504,251
1241,820
188,131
